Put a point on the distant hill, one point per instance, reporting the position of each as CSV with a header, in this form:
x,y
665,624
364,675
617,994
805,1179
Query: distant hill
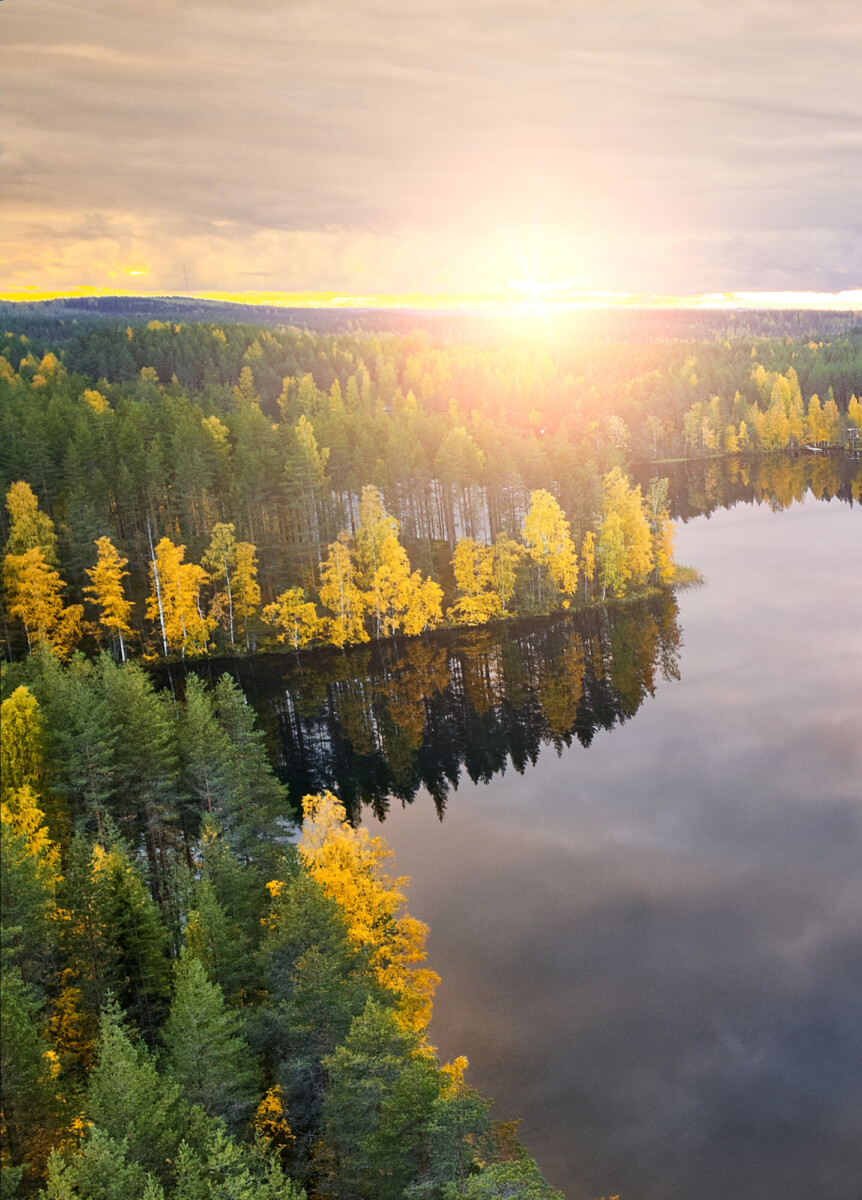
x,y
62,319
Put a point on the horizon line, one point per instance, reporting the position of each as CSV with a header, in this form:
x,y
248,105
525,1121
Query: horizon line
x,y
547,302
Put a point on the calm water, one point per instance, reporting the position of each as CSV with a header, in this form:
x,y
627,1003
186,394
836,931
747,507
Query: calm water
x,y
650,934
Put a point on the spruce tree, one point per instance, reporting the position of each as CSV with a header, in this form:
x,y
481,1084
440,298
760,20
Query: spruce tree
x,y
205,1053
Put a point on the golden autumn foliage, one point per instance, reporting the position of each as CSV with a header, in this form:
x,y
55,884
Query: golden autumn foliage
x,y
30,528
340,594
349,865
294,617
96,400
233,565
271,1124
176,601
73,1030
547,536
107,592
588,559
33,587
21,745
478,600
34,596
398,600
22,816
624,552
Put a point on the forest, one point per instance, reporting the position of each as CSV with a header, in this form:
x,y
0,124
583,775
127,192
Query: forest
x,y
195,1004
202,999
278,485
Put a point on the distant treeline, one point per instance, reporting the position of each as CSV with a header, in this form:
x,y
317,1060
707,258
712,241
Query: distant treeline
x,y
57,321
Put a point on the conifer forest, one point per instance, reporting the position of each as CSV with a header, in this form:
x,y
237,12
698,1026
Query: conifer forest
x,y
212,989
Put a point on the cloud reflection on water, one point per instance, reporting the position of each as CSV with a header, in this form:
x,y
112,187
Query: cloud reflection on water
x,y
652,949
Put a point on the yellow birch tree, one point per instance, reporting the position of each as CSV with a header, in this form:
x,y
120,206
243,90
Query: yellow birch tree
x,y
30,528
175,599
478,600
21,744
625,542
294,617
340,594
588,560
107,591
34,597
548,539
348,864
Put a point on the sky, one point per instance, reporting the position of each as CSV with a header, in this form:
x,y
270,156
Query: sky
x,y
367,148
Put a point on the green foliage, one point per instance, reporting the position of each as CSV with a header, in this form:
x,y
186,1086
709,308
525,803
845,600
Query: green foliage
x,y
255,799
364,1072
130,1102
319,982
102,1170
201,436
29,1095
226,1170
505,1181
204,1050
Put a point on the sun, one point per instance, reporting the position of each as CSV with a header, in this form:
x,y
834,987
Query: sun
x,y
536,295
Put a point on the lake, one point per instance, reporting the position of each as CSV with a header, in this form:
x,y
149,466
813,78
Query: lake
x,y
645,892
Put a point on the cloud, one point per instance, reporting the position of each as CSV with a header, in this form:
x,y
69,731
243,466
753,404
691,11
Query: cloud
x,y
623,136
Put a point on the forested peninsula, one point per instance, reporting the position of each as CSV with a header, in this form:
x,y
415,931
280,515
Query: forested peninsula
x,y
200,1000
181,489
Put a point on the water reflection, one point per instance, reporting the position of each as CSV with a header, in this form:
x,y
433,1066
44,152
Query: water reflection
x,y
700,487
651,952
385,721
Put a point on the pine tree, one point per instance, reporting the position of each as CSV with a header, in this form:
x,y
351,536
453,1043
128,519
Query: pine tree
x,y
501,1180
204,1050
101,1170
204,753
28,1091
28,881
217,941
128,1100
256,800
363,1074
224,1169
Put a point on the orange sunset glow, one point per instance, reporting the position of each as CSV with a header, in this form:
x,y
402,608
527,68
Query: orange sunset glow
x,y
435,156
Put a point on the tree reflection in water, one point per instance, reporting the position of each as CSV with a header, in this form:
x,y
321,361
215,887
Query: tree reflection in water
x,y
384,721
381,722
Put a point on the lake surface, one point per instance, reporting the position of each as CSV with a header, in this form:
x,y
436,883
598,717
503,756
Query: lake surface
x,y
650,932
